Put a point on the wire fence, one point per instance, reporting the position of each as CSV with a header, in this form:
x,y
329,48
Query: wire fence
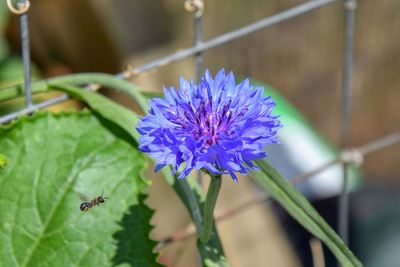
x,y
347,156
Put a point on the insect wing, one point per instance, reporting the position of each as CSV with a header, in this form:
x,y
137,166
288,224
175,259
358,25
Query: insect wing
x,y
83,197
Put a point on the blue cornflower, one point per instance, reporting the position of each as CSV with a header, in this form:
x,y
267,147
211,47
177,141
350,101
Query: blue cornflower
x,y
216,126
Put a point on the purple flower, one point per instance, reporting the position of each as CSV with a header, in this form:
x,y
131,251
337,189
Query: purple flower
x,y
216,126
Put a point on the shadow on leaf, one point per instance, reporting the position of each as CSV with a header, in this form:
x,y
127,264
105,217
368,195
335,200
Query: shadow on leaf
x,y
134,247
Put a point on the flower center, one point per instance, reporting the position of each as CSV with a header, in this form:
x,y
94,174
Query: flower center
x,y
208,124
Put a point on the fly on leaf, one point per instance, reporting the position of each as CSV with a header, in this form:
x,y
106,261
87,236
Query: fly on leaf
x,y
86,205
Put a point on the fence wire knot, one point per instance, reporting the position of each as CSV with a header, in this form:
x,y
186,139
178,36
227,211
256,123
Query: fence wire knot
x,y
353,156
129,72
196,6
21,9
350,5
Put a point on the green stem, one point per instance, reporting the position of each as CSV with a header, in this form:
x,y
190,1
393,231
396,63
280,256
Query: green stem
x,y
192,203
209,205
103,79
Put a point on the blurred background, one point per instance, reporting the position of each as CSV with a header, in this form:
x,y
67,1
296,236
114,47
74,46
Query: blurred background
x,y
301,58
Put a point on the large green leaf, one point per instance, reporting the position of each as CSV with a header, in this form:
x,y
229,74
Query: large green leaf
x,y
298,206
52,160
188,190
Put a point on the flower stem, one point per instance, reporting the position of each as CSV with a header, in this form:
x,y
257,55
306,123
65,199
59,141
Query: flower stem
x,y
209,205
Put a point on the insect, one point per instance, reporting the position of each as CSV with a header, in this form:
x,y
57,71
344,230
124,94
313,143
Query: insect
x,y
86,205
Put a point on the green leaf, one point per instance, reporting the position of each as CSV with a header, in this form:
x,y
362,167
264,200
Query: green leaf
x,y
52,160
102,79
212,253
3,161
188,190
110,110
298,206
130,248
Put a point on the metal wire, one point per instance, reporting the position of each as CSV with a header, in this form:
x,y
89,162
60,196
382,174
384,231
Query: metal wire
x,y
197,42
21,9
236,34
349,6
204,46
34,108
343,206
23,21
380,143
364,150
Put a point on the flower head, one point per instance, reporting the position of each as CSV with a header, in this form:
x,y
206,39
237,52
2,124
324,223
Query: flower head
x,y
218,126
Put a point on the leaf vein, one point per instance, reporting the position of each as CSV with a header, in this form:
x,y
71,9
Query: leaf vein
x,y
66,188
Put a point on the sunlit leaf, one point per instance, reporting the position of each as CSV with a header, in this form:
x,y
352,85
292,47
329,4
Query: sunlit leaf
x,y
3,161
52,159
